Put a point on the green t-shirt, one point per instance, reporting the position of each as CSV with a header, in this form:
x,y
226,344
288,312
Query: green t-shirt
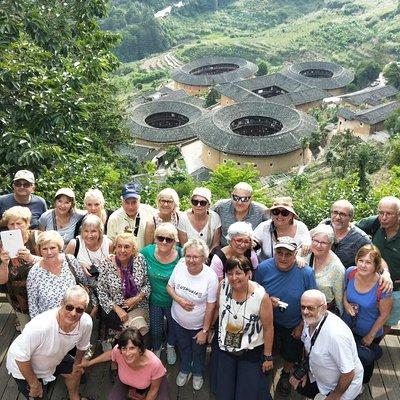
x,y
389,248
159,275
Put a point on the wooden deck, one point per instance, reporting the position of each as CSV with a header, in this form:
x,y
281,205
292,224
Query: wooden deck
x,y
385,384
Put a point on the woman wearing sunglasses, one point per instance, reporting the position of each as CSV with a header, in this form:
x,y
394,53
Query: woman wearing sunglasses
x,y
167,211
161,257
200,222
283,222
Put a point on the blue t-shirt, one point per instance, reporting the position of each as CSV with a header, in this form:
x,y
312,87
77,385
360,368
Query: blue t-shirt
x,y
288,286
368,311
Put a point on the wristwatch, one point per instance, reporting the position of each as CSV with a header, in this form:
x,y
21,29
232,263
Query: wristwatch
x,y
267,358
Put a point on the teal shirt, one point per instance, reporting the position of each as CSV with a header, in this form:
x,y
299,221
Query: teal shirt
x,y
159,275
389,248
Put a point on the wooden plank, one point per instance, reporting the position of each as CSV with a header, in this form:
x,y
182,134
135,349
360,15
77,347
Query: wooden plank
x,y
388,375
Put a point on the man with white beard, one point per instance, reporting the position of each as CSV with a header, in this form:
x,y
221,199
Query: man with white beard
x,y
331,366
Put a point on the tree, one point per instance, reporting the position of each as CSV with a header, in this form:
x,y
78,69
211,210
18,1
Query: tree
x,y
366,72
227,175
263,68
392,74
212,98
392,124
57,104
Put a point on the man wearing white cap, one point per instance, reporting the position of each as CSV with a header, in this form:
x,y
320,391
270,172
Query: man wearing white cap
x,y
23,187
285,282
132,216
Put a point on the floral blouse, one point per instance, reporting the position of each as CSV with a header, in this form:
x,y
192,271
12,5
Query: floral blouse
x,y
46,290
109,285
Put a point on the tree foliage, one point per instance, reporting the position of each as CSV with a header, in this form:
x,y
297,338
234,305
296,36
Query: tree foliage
x,y
263,68
57,104
212,98
366,72
392,74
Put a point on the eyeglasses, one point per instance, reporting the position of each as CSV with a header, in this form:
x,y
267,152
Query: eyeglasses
x,y
163,239
320,243
22,184
241,242
241,199
165,201
310,308
70,308
195,258
339,214
277,211
385,213
202,203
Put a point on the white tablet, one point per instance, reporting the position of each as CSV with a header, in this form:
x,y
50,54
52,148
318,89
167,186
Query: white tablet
x,y
12,242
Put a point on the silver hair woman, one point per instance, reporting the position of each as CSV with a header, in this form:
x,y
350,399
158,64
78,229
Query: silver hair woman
x,y
328,269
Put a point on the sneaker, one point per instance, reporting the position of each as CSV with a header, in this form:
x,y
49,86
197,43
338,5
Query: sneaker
x,y
181,379
283,385
197,382
171,355
158,352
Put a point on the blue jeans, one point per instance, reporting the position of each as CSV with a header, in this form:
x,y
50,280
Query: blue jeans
x,y
193,355
156,315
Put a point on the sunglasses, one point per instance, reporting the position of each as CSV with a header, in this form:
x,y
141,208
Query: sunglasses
x,y
277,211
310,308
241,242
241,199
22,184
70,308
164,239
202,203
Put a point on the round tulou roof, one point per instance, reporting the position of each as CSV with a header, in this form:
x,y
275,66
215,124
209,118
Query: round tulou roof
x,y
209,71
289,126
320,74
177,118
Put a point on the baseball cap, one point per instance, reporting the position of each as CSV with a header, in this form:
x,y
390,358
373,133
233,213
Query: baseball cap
x,y
286,242
24,174
203,192
131,190
66,192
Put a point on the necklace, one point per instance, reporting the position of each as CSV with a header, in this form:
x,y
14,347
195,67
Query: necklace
x,y
233,304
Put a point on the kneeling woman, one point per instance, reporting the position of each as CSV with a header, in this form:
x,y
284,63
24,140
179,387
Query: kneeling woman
x,y
140,372
366,307
245,335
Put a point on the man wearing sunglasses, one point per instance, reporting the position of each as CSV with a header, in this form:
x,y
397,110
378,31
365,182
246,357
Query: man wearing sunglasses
x,y
40,353
23,188
239,207
331,365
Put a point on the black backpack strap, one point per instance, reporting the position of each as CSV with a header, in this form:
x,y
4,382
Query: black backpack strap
x,y
375,227
77,245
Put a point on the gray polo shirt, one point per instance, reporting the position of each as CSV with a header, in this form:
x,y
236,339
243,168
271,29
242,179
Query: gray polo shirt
x,y
225,209
37,206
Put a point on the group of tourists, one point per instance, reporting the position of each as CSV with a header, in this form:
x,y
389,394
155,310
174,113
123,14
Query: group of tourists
x,y
250,281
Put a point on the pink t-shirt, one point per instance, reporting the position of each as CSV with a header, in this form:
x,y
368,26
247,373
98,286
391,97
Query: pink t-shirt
x,y
139,379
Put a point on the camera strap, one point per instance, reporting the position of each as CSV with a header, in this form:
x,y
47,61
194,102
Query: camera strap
x,y
316,333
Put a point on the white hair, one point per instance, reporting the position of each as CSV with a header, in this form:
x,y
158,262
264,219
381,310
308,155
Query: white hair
x,y
243,186
96,194
390,199
76,292
239,228
315,294
323,229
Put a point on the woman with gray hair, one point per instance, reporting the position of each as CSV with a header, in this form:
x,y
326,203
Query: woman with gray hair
x,y
167,211
193,287
328,269
50,277
240,240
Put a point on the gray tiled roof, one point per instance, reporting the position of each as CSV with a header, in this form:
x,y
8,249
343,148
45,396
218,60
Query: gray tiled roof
x,y
371,95
183,75
140,129
302,97
371,115
284,82
237,93
340,78
214,129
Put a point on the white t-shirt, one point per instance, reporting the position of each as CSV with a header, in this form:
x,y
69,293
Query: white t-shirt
x,y
42,343
334,353
207,233
200,289
264,236
86,256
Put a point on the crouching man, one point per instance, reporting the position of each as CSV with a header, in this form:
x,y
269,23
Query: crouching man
x,y
40,353
331,365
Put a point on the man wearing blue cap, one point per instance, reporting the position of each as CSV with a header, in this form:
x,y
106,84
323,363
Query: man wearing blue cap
x,y
131,217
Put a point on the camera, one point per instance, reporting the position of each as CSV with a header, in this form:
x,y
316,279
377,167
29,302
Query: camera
x,y
282,306
94,271
301,369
